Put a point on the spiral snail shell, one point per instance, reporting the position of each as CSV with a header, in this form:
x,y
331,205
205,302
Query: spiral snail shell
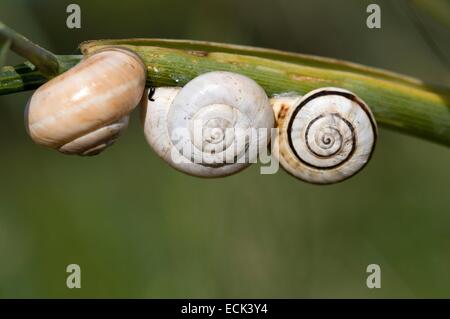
x,y
84,110
203,128
325,136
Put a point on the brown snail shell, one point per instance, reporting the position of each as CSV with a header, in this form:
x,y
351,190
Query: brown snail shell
x,y
84,110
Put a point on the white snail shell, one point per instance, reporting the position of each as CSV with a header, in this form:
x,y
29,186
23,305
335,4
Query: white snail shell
x,y
223,106
325,136
84,110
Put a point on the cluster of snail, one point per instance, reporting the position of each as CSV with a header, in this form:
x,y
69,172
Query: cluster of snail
x,y
322,137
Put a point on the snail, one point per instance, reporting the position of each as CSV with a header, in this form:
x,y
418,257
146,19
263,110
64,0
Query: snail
x,y
325,136
212,127
85,109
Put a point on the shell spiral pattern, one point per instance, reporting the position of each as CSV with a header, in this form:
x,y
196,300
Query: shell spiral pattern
x,y
325,136
212,126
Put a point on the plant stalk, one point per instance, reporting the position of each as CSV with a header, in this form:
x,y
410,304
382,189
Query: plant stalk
x,y
44,60
399,102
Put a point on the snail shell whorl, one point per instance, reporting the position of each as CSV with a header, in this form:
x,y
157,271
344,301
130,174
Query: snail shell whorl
x,y
84,109
325,136
223,106
95,142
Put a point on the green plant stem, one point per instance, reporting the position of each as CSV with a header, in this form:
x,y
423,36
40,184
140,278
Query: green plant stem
x,y
44,60
403,103
26,76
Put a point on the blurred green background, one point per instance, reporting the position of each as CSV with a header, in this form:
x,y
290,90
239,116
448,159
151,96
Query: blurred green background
x,y
140,229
